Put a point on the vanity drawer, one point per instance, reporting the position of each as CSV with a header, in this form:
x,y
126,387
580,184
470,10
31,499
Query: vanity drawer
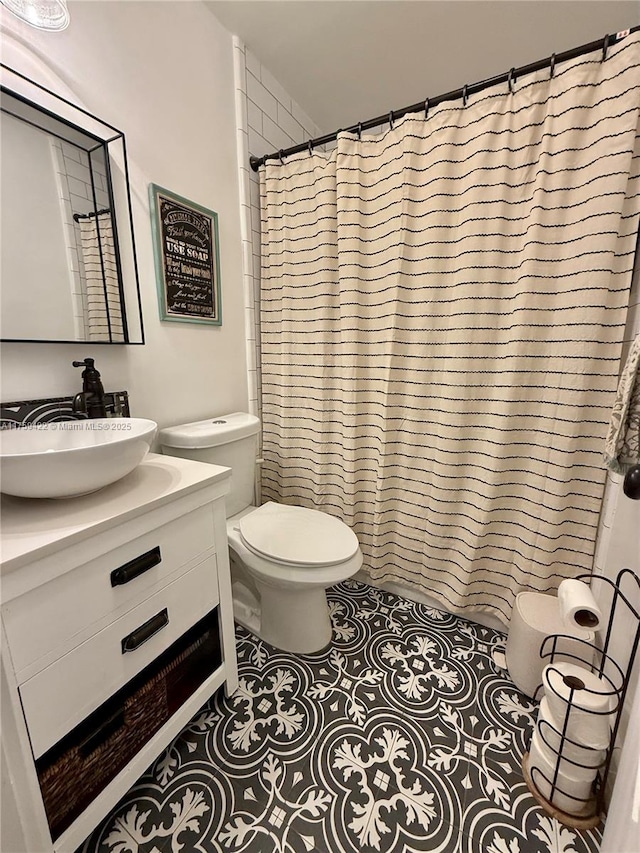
x,y
51,619
62,695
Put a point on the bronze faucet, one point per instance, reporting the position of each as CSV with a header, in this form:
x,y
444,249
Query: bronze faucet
x,y
91,401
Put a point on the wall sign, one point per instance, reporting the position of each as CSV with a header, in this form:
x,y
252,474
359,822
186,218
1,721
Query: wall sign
x,y
185,237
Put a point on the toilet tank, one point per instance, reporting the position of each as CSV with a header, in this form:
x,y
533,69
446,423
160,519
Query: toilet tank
x,y
229,440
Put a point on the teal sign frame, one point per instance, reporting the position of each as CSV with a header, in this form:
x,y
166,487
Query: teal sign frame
x,y
186,250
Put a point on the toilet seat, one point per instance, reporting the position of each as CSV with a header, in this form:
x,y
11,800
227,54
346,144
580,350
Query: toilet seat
x,y
297,536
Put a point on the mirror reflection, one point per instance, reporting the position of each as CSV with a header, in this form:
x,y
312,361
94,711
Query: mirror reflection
x,y
60,265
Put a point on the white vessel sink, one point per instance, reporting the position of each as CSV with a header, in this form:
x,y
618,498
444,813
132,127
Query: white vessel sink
x,y
61,460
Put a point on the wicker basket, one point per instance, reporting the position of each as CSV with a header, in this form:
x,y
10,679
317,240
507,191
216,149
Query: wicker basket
x,y
76,769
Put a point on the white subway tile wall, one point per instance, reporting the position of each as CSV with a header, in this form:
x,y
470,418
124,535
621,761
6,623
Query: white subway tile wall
x,y
261,96
65,158
267,119
254,117
243,110
77,196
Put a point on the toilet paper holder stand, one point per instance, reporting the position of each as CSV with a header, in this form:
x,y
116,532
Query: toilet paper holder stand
x,y
597,659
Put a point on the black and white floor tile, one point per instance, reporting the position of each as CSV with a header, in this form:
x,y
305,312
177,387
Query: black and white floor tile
x,y
403,736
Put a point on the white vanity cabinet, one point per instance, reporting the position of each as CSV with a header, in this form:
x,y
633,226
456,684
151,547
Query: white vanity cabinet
x,y
108,601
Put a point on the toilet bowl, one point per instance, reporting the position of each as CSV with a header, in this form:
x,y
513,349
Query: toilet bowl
x,y
292,555
282,557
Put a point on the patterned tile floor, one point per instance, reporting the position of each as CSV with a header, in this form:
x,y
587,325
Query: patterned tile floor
x,y
402,737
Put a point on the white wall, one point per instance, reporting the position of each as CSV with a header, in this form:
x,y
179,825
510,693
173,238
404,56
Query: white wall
x,y
622,829
618,547
163,73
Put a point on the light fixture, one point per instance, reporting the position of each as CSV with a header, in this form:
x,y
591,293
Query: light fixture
x,y
50,15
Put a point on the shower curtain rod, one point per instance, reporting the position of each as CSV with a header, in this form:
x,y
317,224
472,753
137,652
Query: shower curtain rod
x,y
78,216
464,92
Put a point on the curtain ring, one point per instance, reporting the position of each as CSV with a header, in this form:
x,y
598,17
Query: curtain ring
x,y
464,95
605,47
359,131
511,80
391,120
281,156
426,108
552,67
310,147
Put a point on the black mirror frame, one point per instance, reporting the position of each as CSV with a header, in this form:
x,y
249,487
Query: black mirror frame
x,y
112,141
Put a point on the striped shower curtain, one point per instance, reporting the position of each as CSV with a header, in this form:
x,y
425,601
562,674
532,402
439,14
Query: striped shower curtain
x,y
442,313
104,312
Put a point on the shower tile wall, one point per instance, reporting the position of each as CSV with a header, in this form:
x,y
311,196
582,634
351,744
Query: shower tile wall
x,y
268,119
74,181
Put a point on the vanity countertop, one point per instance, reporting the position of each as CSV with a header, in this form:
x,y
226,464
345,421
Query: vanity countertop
x,y
33,528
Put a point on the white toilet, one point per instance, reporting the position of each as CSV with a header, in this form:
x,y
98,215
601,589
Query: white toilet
x,y
283,558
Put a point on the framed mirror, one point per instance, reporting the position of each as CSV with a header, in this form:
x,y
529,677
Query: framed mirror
x,y
68,267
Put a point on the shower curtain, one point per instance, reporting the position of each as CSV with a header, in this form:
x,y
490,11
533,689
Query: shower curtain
x,y
104,313
442,314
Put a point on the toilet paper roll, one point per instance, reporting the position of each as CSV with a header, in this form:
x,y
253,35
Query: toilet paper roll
x,y
549,732
578,607
570,794
582,698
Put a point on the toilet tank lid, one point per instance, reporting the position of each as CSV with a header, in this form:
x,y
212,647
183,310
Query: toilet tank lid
x,y
211,432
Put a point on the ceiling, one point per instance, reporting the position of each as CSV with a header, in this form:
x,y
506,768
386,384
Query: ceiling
x,y
345,61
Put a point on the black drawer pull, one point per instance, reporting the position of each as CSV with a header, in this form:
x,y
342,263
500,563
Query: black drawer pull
x,y
136,638
137,567
102,733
